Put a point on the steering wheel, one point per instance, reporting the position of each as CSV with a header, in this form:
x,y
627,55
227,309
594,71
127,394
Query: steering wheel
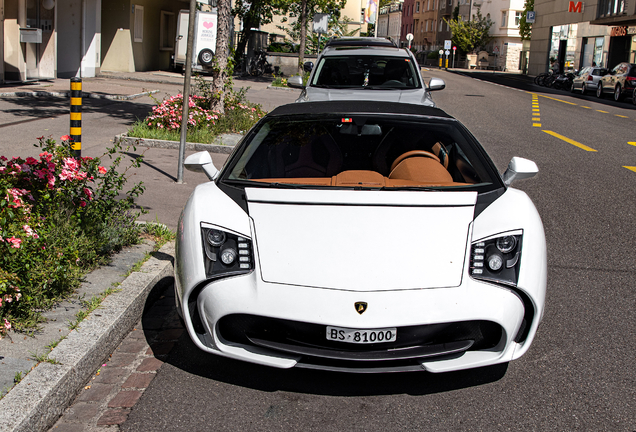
x,y
413,153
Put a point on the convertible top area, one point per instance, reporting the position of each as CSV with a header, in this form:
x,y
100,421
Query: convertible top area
x,y
359,107
355,144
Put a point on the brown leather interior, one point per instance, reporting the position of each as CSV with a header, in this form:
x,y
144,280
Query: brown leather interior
x,y
421,169
413,153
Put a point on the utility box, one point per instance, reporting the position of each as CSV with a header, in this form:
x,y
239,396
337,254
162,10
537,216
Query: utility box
x,y
30,35
205,27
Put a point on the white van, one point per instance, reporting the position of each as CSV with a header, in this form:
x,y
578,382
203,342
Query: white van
x,y
204,39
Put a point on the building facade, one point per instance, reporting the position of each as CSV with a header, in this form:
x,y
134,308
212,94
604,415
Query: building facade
x,y
79,38
574,34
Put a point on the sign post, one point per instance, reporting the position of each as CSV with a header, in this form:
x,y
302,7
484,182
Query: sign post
x,y
321,22
441,54
454,49
409,37
447,53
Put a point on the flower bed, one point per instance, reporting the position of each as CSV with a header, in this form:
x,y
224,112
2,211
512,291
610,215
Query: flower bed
x,y
60,216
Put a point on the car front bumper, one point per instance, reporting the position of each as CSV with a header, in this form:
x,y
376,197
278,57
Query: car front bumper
x,y
444,318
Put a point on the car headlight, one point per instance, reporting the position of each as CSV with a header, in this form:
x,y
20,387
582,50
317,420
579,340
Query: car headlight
x,y
226,254
497,259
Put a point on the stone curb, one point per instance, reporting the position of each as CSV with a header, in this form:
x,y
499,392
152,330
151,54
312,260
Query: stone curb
x,y
223,143
84,95
42,396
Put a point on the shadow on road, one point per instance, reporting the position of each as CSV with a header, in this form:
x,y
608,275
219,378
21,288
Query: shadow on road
x,y
187,357
526,83
54,107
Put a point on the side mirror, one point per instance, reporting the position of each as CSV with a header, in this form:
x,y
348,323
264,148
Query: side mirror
x,y
436,84
308,66
519,169
295,81
201,162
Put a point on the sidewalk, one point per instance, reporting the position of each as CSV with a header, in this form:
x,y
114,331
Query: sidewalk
x,y
43,394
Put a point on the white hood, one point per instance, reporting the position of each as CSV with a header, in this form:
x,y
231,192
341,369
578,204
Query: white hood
x,y
361,240
413,96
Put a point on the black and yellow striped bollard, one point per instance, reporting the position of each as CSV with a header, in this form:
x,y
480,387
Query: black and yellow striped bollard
x,y
76,117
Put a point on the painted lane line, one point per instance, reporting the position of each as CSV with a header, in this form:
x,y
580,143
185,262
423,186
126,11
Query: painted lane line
x,y
536,124
631,168
585,107
570,141
604,112
621,116
632,143
558,100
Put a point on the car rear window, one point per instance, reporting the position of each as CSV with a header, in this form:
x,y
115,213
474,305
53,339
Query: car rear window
x,y
632,71
366,71
361,151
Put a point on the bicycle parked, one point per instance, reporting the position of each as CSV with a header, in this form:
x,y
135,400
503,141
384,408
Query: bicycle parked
x,y
259,64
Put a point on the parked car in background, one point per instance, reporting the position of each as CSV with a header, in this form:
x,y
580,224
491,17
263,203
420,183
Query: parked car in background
x,y
361,237
365,68
587,79
620,81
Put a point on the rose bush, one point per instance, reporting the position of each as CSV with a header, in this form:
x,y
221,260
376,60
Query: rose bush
x,y
60,216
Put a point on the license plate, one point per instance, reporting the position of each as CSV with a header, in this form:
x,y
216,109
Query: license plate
x,y
358,336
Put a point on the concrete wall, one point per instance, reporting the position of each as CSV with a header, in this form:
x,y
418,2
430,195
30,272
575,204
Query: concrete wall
x,y
78,37
119,50
14,51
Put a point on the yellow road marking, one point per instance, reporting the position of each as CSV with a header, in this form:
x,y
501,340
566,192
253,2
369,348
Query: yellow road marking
x,y
536,124
631,168
535,109
604,112
621,116
585,107
570,141
631,143
558,100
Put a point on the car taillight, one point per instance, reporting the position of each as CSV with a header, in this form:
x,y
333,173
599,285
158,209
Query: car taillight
x,y
225,253
631,80
590,78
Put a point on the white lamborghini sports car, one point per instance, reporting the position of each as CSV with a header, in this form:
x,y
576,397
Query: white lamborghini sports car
x,y
361,237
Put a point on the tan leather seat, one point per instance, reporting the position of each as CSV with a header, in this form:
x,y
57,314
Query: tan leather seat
x,y
422,170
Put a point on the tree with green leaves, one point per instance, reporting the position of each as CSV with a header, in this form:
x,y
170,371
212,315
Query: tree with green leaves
x,y
304,11
525,28
254,13
471,35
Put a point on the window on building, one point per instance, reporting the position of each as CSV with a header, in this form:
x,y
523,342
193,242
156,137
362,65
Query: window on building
x,y
167,31
139,23
517,18
504,19
426,25
417,7
440,25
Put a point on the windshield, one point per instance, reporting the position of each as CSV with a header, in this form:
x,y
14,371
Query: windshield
x,y
363,71
360,151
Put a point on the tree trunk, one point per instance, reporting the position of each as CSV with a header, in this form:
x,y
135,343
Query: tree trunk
x,y
303,36
219,71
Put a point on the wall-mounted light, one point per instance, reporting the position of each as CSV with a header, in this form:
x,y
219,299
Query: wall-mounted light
x,y
48,4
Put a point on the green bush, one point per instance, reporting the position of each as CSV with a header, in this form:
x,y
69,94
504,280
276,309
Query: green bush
x,y
164,122
60,216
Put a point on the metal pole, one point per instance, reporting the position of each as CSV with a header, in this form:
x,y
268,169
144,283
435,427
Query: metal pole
x,y
76,117
186,91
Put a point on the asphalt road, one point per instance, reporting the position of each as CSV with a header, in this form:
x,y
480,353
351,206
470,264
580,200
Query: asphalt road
x,y
579,374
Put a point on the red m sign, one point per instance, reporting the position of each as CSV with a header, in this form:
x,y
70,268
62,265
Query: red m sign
x,y
575,7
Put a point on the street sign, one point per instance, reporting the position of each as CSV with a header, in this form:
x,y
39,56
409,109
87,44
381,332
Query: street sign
x,y
530,16
441,52
409,36
447,52
496,50
321,22
454,48
447,44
